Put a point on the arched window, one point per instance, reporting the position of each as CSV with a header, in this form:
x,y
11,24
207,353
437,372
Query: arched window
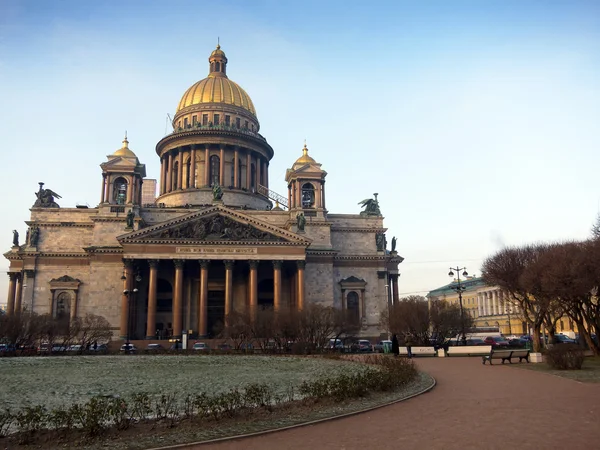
x,y
63,305
217,66
120,191
352,306
174,174
253,176
308,195
215,166
188,167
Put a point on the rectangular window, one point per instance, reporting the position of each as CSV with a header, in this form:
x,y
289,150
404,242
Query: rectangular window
x,y
185,123
246,124
194,120
238,122
204,119
227,120
216,119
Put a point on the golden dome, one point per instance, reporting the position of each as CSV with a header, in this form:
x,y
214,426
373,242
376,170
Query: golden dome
x,y
304,159
125,151
217,88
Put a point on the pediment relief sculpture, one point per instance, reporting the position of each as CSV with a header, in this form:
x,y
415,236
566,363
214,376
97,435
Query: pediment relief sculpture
x,y
215,228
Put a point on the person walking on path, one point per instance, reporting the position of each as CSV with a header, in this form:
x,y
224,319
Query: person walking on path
x,y
395,346
409,345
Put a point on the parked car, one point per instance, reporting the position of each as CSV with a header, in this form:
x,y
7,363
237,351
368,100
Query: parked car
x,y
517,343
563,339
7,349
128,348
336,344
380,346
100,348
476,341
154,348
496,341
225,347
74,348
57,348
362,346
201,347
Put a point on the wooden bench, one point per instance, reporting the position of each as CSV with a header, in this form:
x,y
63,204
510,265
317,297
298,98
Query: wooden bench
x,y
505,355
418,351
469,350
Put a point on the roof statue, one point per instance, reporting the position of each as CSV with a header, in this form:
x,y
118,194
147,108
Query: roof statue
x,y
45,198
371,207
217,192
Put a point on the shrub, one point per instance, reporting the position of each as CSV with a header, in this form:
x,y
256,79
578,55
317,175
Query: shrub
x,y
565,357
6,420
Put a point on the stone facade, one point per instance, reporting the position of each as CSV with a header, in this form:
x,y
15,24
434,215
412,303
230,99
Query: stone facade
x,y
216,240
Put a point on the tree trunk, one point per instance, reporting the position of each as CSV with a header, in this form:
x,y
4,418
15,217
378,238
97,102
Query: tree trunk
x,y
537,329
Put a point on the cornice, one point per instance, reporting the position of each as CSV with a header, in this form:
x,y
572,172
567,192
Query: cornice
x,y
95,250
361,258
110,219
209,243
60,224
61,255
217,133
357,230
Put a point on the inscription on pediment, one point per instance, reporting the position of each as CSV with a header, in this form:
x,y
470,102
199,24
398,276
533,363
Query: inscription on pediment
x,y
215,228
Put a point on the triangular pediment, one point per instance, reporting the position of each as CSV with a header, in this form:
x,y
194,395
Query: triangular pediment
x,y
120,162
216,225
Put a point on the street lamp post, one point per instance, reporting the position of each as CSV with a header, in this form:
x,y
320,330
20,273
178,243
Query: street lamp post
x,y
459,289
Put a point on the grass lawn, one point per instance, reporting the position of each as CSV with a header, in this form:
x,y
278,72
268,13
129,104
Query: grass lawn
x,y
64,380
589,373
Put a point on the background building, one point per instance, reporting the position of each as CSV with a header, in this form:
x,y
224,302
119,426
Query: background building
x,y
149,192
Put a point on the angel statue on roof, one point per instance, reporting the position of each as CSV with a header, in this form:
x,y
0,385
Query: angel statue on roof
x,y
371,206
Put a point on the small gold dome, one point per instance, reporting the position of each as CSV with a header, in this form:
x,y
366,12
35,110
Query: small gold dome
x,y
125,151
216,88
304,159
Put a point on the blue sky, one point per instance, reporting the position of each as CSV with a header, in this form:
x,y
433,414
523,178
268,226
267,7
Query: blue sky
x,y
476,122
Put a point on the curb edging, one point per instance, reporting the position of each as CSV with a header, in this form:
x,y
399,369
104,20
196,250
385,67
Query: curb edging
x,y
298,425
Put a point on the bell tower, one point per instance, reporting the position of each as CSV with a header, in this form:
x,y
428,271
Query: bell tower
x,y
306,186
122,178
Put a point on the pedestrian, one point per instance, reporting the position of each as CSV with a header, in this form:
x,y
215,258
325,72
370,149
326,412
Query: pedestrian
x,y
395,346
95,345
409,345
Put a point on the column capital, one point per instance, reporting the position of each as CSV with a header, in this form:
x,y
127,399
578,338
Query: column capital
x,y
229,264
277,264
204,263
128,263
179,263
12,276
301,264
153,263
253,263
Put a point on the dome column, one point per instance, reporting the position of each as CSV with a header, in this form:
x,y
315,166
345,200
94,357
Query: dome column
x,y
180,170
206,165
236,167
248,167
169,171
258,167
192,175
162,176
222,165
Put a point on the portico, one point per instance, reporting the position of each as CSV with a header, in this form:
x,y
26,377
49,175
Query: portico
x,y
200,268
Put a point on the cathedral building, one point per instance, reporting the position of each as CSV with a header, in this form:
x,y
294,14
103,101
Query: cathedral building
x,y
214,241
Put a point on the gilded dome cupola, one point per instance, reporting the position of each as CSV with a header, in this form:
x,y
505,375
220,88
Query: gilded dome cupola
x,y
216,93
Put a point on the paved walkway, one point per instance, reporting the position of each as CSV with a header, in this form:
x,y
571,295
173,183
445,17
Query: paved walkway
x,y
472,407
